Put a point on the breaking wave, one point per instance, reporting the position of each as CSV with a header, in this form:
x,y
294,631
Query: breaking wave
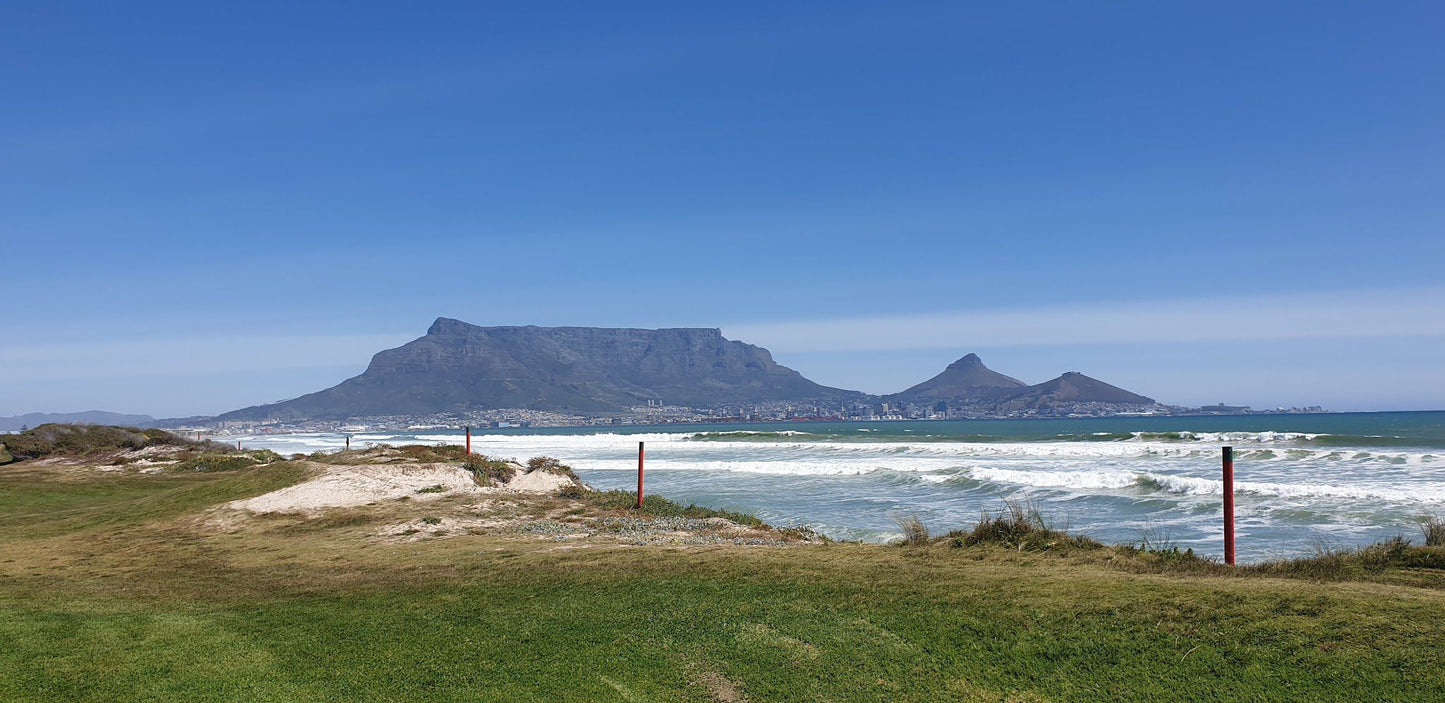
x,y
1191,485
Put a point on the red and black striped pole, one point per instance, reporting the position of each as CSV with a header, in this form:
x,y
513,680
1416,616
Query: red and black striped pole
x,y
639,475
1229,505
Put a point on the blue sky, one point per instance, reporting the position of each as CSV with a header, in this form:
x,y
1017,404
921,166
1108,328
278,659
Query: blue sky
x,y
207,207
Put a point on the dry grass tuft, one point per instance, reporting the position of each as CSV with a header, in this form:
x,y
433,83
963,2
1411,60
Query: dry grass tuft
x,y
914,531
1434,529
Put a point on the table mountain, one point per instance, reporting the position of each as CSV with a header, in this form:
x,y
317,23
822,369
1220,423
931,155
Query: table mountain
x,y
459,366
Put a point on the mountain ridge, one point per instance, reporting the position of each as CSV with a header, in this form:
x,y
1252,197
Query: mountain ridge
x,y
967,377
458,366
85,417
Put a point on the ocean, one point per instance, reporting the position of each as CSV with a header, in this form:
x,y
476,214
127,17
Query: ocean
x,y
1302,482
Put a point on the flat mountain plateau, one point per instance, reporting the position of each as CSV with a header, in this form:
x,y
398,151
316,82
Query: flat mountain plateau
x,y
159,569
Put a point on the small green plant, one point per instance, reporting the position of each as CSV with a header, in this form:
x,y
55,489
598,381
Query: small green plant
x,y
431,520
438,488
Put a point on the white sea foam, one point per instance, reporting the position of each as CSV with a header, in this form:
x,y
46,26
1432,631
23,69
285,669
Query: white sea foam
x,y
1056,454
1265,437
1084,481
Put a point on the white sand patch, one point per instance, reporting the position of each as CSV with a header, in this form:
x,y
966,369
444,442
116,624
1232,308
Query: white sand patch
x,y
537,482
351,486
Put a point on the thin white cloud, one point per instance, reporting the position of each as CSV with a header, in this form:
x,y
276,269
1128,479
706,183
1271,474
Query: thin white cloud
x,y
192,356
1397,312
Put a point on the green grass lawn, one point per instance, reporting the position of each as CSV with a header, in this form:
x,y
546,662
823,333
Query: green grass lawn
x,y
117,588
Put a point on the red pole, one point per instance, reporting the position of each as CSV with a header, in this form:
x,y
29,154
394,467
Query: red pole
x,y
238,444
469,441
639,475
1229,505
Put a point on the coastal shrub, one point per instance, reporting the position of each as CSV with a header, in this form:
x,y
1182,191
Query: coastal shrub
x,y
914,531
431,520
264,456
551,466
1020,525
438,488
432,453
87,440
204,463
803,534
1434,529
489,472
1331,564
657,506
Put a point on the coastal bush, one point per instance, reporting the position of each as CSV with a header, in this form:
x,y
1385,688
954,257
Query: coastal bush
x,y
52,439
1020,525
264,456
438,488
383,453
1331,564
432,453
551,466
207,462
489,472
658,506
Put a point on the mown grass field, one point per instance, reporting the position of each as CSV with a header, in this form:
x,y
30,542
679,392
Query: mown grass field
x,y
117,588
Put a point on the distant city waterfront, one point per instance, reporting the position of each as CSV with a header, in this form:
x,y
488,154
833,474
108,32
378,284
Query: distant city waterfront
x,y
651,415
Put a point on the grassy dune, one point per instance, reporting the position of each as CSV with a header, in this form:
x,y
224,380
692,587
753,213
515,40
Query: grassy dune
x,y
120,586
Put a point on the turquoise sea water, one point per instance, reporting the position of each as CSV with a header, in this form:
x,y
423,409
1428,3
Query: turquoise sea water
x,y
1302,481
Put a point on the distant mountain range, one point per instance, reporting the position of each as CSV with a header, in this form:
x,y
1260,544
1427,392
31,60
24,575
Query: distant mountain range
x,y
968,383
458,367
88,417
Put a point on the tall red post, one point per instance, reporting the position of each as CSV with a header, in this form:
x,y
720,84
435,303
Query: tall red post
x,y
1229,505
639,475
469,441
238,444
